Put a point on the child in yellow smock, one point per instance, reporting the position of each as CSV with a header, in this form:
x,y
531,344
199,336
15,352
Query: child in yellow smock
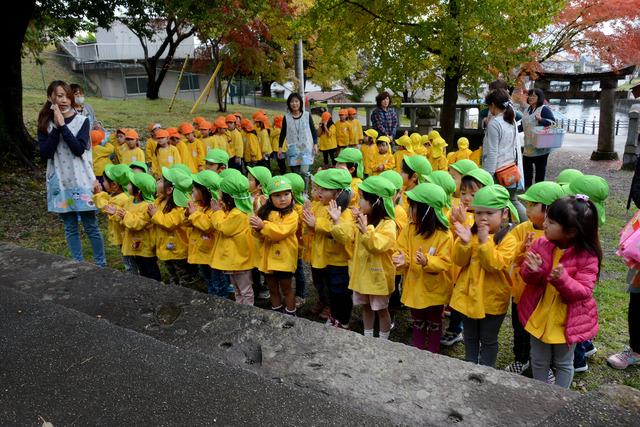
x,y
383,160
344,130
133,152
191,149
252,153
165,155
150,145
327,143
369,150
404,148
350,159
100,153
371,239
437,155
356,127
463,151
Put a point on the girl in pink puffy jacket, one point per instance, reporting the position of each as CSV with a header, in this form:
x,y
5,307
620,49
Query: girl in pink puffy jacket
x,y
561,269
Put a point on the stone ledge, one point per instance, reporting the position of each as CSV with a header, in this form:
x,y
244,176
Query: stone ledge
x,y
390,379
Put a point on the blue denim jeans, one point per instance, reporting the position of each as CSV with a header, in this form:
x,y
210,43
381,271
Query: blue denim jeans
x,y
301,280
217,282
72,233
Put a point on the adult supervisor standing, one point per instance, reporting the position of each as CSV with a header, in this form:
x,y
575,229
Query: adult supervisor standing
x,y
63,136
301,136
384,119
536,114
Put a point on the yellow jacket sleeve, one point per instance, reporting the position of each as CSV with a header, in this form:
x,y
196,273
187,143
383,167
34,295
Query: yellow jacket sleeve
x,y
276,231
380,239
201,221
136,220
461,253
344,233
101,199
402,245
442,261
323,225
228,225
170,220
494,257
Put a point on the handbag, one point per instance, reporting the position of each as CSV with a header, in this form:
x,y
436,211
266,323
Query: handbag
x,y
509,175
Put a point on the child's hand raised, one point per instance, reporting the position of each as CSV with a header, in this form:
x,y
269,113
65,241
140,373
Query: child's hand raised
x,y
526,245
191,208
256,223
463,232
533,261
557,272
110,209
362,223
152,209
399,259
309,218
459,214
335,211
483,233
121,213
421,259
215,205
97,188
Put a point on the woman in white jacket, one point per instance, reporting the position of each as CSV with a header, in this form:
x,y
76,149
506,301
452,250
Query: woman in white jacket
x,y
500,146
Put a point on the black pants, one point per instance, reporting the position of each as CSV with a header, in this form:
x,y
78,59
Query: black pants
x,y
282,162
634,322
521,338
455,321
336,281
326,154
540,165
148,267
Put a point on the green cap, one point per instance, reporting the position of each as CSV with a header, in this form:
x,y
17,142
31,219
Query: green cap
x,y
545,192
141,165
262,175
228,172
146,184
595,188
237,186
209,180
495,196
394,177
566,176
118,174
432,195
297,186
352,155
277,184
420,165
445,181
182,184
333,179
383,188
481,175
186,170
216,155
464,166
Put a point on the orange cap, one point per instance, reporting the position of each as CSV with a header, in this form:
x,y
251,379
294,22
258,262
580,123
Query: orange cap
x,y
352,111
205,125
343,112
121,130
262,119
246,125
186,128
173,133
326,116
220,123
131,134
257,113
277,121
162,133
230,118
97,136
238,115
199,120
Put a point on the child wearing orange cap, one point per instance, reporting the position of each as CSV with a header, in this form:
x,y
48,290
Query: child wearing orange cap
x,y
261,124
220,139
119,143
208,130
150,146
197,121
133,152
165,154
191,149
357,134
344,130
252,153
275,137
236,144
327,142
101,153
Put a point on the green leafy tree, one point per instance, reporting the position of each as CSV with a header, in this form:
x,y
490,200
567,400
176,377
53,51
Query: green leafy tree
x,y
461,41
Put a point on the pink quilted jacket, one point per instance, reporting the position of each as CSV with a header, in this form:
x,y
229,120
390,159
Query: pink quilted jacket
x,y
575,287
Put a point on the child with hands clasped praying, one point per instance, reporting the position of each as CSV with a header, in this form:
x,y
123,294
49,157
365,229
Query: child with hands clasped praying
x,y
482,289
560,270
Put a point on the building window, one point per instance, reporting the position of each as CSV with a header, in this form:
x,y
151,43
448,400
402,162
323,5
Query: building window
x,y
136,85
190,82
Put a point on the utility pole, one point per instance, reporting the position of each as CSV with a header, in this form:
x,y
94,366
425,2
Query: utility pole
x,y
299,65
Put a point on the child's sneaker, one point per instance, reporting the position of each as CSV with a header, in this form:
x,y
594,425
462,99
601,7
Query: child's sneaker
x,y
581,368
589,349
449,339
299,302
325,314
551,378
624,360
517,367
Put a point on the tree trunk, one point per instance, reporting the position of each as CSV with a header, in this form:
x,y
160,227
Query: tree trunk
x,y
448,112
266,87
15,142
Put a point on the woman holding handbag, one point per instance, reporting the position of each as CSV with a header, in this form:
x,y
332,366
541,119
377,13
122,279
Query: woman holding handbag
x,y
500,154
537,114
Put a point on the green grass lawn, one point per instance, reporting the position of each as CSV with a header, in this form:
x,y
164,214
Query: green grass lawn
x,y
25,222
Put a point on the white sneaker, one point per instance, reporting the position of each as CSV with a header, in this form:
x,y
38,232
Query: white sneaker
x,y
517,367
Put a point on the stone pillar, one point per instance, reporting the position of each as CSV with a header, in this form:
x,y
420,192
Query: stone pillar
x,y
606,130
630,156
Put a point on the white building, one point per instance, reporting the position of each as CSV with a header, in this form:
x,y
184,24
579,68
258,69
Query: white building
x,y
113,66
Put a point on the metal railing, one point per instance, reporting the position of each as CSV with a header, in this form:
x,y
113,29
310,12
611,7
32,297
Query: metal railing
x,y
583,126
